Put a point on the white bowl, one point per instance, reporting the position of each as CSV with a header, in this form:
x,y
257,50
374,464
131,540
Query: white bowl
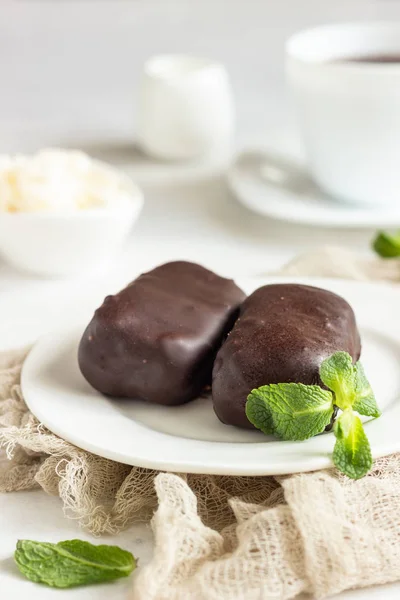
x,y
69,243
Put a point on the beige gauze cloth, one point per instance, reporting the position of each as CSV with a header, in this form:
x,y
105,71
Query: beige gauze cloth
x,y
222,537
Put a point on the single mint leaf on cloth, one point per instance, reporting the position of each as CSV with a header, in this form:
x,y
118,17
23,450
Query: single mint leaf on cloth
x,y
72,563
337,373
352,452
365,402
387,245
292,411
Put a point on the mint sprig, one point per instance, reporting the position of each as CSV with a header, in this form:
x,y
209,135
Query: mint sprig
x,y
294,411
72,563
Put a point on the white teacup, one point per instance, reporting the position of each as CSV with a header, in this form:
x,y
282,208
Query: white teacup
x,y
349,110
185,107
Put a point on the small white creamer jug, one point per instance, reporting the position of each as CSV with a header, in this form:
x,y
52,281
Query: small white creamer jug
x,y
185,107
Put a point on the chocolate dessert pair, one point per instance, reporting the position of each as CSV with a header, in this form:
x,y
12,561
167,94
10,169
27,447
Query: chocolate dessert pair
x,y
180,328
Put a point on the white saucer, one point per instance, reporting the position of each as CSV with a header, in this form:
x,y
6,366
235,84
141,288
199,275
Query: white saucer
x,y
190,438
276,187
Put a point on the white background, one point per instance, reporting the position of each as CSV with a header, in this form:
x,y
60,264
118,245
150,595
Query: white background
x,y
69,71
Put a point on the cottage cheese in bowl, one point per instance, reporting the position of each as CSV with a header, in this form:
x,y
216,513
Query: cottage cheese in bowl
x,y
56,181
64,213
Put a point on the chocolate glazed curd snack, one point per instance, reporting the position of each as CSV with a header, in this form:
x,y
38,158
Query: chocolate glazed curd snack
x,y
157,339
282,335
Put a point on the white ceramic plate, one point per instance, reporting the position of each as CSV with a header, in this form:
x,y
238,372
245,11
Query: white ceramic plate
x,y
190,438
277,188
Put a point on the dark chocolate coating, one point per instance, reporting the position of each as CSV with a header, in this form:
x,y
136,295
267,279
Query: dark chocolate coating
x,y
156,339
282,335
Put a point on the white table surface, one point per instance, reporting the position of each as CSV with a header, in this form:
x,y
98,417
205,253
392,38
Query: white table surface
x,y
69,72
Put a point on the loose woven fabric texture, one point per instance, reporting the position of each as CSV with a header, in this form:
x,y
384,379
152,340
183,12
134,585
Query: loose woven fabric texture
x,y
221,537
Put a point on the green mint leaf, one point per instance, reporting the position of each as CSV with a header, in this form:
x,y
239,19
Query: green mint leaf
x,y
352,452
258,411
337,373
365,402
386,245
72,563
292,411
349,383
